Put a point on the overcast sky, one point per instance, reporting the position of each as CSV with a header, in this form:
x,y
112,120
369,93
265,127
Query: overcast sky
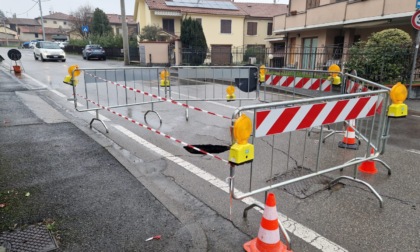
x,y
30,8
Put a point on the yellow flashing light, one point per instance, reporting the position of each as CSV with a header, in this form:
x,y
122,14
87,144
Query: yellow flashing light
x,y
242,152
164,78
398,94
334,70
230,93
73,72
74,68
262,73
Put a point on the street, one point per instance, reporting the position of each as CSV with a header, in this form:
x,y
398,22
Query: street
x,y
344,218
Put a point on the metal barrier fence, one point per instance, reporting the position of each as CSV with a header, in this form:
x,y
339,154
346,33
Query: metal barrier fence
x,y
298,83
112,87
209,83
282,138
123,87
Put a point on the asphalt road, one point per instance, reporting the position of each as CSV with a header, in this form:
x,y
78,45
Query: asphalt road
x,y
346,218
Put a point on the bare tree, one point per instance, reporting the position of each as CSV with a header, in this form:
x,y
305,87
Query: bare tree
x,y
81,17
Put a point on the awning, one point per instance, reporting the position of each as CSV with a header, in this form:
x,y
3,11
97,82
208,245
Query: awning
x,y
59,37
275,38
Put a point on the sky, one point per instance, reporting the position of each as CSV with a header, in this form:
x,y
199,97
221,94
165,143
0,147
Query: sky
x,y
30,8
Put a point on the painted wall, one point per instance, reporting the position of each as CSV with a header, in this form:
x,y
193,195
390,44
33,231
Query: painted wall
x,y
156,51
262,26
50,23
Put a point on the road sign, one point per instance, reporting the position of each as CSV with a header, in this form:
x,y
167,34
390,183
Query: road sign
x,y
417,4
85,28
415,20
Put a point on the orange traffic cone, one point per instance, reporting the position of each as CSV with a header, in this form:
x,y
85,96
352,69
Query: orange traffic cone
x,y
268,238
369,165
349,140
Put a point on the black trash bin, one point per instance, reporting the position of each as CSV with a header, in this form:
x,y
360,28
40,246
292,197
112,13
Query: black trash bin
x,y
248,84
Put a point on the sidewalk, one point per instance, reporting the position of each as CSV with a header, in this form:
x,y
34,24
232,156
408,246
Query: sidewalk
x,y
54,175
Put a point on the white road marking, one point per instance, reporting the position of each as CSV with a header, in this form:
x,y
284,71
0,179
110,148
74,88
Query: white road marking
x,y
35,80
58,93
416,116
292,226
414,151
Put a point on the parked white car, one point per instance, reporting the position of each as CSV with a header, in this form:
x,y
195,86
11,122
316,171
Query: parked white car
x,y
46,50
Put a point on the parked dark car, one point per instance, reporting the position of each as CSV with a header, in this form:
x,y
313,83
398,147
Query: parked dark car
x,y
93,51
26,44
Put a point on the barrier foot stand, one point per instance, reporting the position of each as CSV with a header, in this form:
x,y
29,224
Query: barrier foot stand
x,y
331,134
388,168
256,205
97,119
384,164
360,182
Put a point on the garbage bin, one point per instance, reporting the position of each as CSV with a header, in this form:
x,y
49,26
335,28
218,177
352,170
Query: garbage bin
x,y
248,84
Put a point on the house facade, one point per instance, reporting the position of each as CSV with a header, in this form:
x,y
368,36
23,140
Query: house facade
x,y
26,29
227,26
333,25
116,24
258,31
59,24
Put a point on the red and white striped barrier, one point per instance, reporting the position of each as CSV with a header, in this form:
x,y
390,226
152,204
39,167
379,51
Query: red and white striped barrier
x,y
298,82
160,98
275,121
153,130
353,87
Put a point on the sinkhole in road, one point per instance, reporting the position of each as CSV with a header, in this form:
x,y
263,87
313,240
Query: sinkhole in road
x,y
210,148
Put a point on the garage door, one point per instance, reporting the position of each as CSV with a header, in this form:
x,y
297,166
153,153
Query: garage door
x,y
221,54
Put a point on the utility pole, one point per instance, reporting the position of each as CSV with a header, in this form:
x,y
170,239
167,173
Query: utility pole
x,y
42,20
125,34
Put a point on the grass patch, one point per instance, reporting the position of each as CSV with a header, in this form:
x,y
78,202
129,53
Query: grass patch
x,y
12,208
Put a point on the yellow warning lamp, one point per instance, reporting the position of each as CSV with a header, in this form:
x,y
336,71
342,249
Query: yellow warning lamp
x,y
398,94
164,78
241,152
334,77
73,72
262,73
230,93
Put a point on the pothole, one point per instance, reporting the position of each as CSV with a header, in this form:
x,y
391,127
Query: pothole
x,y
210,148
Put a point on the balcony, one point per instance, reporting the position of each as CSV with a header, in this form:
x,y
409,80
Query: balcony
x,y
341,13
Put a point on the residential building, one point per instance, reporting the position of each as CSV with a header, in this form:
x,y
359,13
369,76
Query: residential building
x,y
116,24
258,30
61,24
333,25
225,23
26,29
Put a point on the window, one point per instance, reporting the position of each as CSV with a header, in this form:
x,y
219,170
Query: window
x,y
312,4
64,22
45,21
36,35
199,20
55,22
252,28
168,25
309,53
270,29
225,26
